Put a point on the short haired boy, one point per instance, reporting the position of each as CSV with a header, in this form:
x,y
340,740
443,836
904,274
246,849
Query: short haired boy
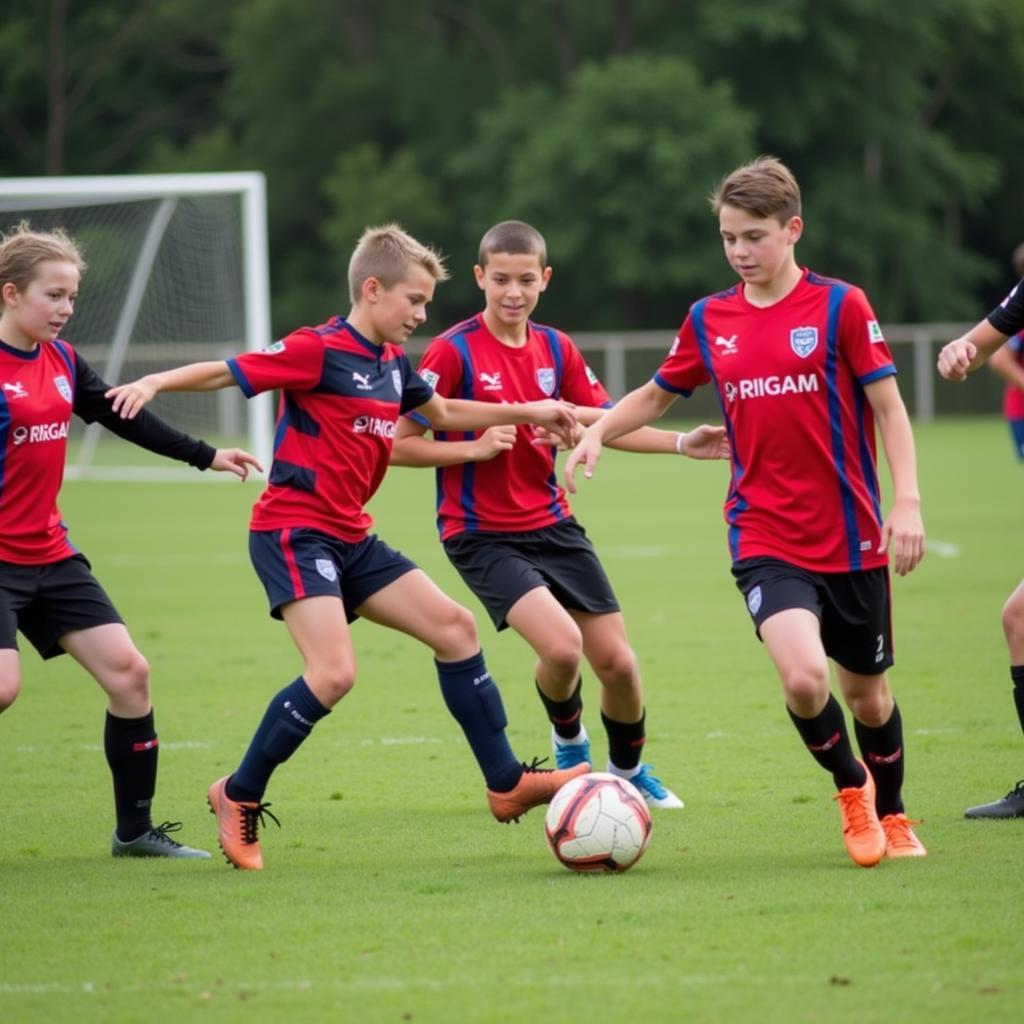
x,y
344,385
504,521
803,373
956,360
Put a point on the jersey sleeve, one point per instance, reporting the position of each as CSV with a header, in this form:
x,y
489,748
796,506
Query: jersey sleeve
x,y
415,390
296,363
1008,316
146,430
861,341
580,384
683,369
441,369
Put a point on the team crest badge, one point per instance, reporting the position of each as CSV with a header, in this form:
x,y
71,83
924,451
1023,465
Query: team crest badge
x,y
396,378
754,600
546,380
63,386
326,568
803,340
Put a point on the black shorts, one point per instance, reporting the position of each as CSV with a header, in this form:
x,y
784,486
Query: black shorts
x,y
303,562
47,601
854,608
500,567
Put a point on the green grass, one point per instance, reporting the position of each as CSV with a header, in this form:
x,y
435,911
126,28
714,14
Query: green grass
x,y
389,893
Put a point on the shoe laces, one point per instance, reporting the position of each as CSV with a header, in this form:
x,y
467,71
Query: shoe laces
x,y
159,833
856,810
899,831
644,780
1017,790
252,817
534,767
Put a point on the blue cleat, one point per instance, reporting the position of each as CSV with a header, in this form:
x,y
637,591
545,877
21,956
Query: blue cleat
x,y
651,789
568,755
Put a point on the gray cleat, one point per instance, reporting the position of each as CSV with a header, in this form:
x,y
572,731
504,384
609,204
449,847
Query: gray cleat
x,y
1010,806
155,843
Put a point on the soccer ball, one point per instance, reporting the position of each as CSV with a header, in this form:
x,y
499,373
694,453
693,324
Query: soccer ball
x,y
598,822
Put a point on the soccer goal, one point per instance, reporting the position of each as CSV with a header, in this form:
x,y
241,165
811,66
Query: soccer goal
x,y
177,272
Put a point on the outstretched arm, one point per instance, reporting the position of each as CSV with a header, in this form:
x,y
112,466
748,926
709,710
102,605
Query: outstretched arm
x,y
461,414
411,448
129,398
703,442
903,527
636,410
969,351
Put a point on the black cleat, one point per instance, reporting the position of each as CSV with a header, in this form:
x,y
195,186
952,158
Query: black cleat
x,y
1011,806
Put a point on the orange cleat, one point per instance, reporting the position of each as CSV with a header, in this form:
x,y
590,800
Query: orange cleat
x,y
238,826
535,786
900,840
862,831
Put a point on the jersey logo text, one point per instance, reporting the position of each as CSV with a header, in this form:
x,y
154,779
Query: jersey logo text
x,y
491,381
374,425
728,345
362,381
17,389
760,387
40,432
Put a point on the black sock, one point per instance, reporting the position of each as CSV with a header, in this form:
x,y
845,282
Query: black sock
x,y
882,747
564,715
625,741
474,701
288,720
828,741
131,746
1017,675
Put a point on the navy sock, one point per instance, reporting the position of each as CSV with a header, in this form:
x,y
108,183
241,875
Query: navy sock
x,y
289,719
882,747
1017,675
625,741
828,741
131,746
475,703
564,715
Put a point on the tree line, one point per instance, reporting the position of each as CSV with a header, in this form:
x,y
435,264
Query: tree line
x,y
604,122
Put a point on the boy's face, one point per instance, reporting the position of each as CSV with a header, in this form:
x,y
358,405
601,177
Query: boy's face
x,y
397,311
512,283
758,248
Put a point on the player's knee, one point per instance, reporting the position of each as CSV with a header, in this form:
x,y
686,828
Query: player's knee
x,y
805,685
330,682
128,680
456,638
9,690
873,708
1013,618
618,668
562,654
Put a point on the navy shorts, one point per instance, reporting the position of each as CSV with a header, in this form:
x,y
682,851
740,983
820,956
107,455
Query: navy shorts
x,y
854,608
47,601
302,562
500,567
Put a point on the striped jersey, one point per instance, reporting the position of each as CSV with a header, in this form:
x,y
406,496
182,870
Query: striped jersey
x,y
341,396
517,491
790,380
39,391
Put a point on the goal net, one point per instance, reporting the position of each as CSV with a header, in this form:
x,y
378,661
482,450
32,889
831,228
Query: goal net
x,y
177,272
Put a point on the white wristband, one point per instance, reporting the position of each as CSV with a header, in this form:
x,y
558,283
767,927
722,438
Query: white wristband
x,y
680,438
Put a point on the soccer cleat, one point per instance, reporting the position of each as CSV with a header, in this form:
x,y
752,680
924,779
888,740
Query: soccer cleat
x,y
862,831
652,789
238,826
1010,806
156,843
900,840
535,786
568,755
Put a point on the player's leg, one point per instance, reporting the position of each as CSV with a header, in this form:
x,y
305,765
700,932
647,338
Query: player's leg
x,y
1017,434
10,660
130,741
415,605
10,677
608,652
1011,805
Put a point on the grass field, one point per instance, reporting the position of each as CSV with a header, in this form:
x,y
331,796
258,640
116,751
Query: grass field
x,y
391,895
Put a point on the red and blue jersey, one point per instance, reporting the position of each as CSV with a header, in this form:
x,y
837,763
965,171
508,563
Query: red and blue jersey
x,y
39,391
517,491
341,396
790,380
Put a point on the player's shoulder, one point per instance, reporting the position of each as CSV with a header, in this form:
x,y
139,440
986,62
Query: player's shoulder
x,y
464,329
812,279
545,332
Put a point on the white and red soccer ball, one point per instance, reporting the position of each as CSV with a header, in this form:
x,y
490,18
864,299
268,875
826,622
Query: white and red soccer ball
x,y
598,822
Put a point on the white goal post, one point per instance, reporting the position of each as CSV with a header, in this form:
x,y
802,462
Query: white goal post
x,y
177,272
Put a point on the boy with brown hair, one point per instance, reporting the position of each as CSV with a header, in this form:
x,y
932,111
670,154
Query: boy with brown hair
x,y
344,385
504,521
802,373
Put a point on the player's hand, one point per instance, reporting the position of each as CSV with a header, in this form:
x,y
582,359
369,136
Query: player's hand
x,y
130,398
557,417
493,441
587,452
904,530
706,442
955,359
544,437
235,460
